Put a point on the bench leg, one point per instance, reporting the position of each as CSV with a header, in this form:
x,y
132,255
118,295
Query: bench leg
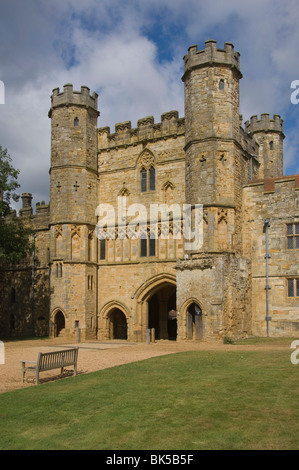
x,y
23,372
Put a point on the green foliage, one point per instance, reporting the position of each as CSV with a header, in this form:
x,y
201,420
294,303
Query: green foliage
x,y
228,340
14,235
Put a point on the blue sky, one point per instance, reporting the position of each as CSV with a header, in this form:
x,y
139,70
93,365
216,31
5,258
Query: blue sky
x,y
131,53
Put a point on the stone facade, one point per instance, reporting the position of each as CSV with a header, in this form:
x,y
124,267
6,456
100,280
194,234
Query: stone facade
x,y
121,286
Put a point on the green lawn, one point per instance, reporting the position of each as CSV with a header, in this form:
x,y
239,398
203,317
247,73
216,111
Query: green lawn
x,y
185,401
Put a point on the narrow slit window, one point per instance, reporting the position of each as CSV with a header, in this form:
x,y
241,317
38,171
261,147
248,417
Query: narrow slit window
x,y
293,236
103,249
143,247
152,247
76,122
290,287
152,179
221,84
143,180
271,145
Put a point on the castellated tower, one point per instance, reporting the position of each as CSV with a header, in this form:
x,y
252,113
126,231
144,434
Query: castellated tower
x,y
73,191
213,156
216,168
268,133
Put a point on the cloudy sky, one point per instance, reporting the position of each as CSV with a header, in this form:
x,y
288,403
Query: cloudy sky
x,y
130,52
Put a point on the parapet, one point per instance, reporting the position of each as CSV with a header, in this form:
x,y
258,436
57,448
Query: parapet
x,y
170,126
212,56
264,124
70,97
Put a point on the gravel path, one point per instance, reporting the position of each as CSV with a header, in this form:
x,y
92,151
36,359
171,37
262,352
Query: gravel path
x,y
95,356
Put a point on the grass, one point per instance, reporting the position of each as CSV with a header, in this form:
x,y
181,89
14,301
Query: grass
x,y
186,401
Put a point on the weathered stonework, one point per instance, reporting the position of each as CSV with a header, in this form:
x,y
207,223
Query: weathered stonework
x,y
120,287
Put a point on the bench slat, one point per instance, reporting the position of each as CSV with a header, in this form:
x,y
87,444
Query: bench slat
x,y
53,360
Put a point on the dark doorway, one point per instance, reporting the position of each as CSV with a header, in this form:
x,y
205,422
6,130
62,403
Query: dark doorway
x,y
162,313
59,322
194,322
118,325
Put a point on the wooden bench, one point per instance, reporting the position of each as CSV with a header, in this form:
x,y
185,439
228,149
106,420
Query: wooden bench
x,y
50,361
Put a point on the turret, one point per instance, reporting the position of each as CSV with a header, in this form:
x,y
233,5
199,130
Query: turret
x,y
73,189
212,120
73,154
269,135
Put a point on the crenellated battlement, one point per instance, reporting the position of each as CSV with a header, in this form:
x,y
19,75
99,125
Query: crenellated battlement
x,y
264,124
70,97
211,56
170,126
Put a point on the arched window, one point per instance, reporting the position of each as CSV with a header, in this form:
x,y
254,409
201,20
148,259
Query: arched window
x,y
221,84
76,122
152,174
271,145
148,179
143,180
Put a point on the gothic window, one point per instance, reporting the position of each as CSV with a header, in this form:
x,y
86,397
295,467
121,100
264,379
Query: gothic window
x,y
103,249
152,247
143,247
152,175
293,287
292,236
221,84
147,169
147,247
143,180
76,122
59,270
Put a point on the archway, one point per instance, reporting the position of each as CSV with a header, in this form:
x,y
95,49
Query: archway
x,y
195,328
118,324
162,312
59,322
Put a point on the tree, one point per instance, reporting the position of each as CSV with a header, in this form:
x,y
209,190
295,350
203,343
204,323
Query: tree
x,y
14,234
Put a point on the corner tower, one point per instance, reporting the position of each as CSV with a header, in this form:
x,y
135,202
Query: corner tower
x,y
73,192
268,133
215,169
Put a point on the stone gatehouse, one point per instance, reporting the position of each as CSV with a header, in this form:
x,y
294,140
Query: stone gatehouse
x,y
119,286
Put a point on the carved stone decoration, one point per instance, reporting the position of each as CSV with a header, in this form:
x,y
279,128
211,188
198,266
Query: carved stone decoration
x,y
168,185
124,190
146,159
90,234
75,230
222,215
58,231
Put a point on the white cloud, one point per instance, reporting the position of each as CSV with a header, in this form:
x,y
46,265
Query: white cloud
x,y
113,47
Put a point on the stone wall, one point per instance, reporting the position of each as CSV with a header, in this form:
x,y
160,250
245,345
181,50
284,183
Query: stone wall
x,y
277,200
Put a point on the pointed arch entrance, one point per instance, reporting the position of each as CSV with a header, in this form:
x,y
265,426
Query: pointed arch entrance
x,y
58,319
113,321
118,324
194,320
157,302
